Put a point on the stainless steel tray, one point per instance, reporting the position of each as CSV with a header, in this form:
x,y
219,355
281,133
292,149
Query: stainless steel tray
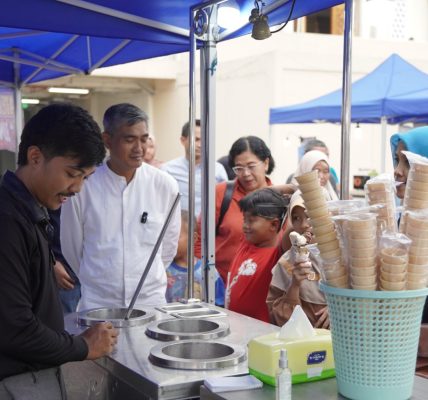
x,y
175,307
203,313
115,316
182,329
197,355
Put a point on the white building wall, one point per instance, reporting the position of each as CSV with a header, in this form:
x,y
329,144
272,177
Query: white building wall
x,y
286,69
392,19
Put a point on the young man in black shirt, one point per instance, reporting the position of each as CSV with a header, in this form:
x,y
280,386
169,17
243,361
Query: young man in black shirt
x,y
60,147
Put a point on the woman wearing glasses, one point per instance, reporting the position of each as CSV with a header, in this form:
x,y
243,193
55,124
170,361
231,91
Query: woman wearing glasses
x,y
251,161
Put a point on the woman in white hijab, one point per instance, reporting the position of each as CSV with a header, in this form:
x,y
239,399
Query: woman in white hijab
x,y
317,160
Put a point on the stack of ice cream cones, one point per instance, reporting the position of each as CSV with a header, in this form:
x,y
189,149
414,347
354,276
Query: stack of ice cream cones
x,y
393,268
362,247
380,191
416,229
323,228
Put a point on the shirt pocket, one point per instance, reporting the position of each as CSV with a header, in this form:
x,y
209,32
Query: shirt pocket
x,y
149,231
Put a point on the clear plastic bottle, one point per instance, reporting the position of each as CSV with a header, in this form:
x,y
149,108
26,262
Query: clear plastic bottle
x,y
283,378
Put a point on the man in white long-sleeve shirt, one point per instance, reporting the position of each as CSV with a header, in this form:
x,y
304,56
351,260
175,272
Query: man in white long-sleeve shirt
x,y
109,229
179,168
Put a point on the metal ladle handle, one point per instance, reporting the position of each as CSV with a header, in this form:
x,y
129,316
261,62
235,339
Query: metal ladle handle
x,y
152,257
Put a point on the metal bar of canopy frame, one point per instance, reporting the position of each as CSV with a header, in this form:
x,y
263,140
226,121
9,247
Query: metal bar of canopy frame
x,y
109,55
24,61
192,118
127,16
18,107
88,49
346,101
52,57
51,62
208,62
14,35
7,84
383,124
208,97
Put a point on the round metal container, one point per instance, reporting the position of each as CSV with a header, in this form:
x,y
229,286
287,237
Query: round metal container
x,y
180,329
197,354
115,316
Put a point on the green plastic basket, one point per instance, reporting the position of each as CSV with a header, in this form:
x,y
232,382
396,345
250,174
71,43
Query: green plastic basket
x,y
375,338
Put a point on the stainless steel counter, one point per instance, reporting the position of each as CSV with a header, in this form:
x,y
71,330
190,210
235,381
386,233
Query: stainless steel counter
x,y
321,390
129,365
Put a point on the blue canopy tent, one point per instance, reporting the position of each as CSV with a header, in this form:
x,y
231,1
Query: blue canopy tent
x,y
45,39
395,90
51,38
393,93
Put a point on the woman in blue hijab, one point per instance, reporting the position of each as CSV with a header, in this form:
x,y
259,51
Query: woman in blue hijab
x,y
416,141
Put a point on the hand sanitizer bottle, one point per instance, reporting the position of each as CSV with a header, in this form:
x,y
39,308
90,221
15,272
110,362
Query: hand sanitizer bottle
x,y
283,378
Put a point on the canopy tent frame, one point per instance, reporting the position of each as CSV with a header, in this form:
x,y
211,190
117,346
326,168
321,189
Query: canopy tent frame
x,y
394,92
208,132
127,16
208,56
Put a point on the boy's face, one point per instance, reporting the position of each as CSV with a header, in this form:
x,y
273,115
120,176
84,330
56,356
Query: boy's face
x,y
300,223
182,242
258,230
127,146
54,180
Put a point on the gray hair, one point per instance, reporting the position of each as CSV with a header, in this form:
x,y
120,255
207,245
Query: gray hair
x,y
122,114
310,144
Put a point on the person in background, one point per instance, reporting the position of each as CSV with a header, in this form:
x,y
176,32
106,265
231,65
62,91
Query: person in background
x,y
109,230
229,171
67,281
150,153
252,162
317,160
290,285
264,212
416,141
316,144
60,147
177,271
179,168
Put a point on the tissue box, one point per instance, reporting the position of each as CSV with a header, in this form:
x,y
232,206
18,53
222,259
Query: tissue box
x,y
309,359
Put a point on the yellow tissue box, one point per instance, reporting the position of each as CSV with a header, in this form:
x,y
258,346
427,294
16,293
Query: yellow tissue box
x,y
309,359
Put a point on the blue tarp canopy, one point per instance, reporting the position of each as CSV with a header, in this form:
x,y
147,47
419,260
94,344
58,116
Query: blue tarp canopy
x,y
51,38
395,90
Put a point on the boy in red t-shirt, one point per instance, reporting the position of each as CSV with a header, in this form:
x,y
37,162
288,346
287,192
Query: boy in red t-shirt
x,y
251,269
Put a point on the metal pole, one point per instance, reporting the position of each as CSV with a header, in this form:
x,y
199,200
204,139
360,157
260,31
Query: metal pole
x,y
152,257
383,123
192,117
18,107
208,98
346,101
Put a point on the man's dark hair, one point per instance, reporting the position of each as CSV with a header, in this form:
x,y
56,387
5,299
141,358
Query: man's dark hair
x,y
266,203
63,130
185,130
122,114
310,144
256,146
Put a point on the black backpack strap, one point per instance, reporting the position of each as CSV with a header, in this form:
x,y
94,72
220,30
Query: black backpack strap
x,y
227,198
